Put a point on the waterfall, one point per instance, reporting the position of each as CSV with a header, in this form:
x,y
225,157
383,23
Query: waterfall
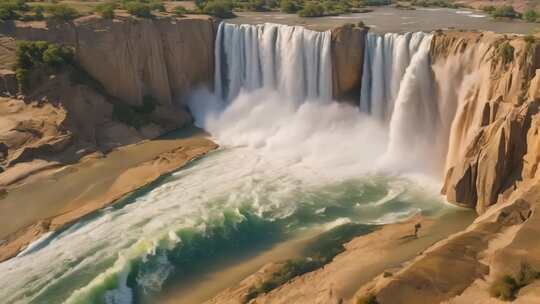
x,y
290,59
386,59
398,90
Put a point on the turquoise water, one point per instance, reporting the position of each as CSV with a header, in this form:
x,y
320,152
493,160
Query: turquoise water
x,y
231,202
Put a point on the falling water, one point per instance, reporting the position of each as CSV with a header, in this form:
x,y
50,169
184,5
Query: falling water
x,y
290,59
398,89
386,60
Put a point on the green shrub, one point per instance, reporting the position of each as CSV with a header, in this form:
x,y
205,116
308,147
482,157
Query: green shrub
x,y
530,15
504,288
200,4
505,51
21,74
529,39
312,9
40,54
138,9
219,8
507,287
61,12
157,6
256,6
488,8
7,14
106,10
504,11
38,12
375,2
288,6
180,11
56,55
367,299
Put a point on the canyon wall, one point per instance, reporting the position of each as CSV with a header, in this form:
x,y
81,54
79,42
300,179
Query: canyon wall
x,y
164,57
489,82
127,59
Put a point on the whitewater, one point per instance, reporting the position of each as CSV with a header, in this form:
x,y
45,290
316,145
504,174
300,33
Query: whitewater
x,y
290,159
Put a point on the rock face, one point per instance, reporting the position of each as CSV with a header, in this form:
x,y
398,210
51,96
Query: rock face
x,y
348,44
496,106
131,58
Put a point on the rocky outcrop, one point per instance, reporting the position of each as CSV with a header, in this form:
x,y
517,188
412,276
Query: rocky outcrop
x,y
347,60
130,57
493,131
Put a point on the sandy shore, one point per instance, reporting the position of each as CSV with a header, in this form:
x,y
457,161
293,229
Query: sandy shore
x,y
62,196
365,257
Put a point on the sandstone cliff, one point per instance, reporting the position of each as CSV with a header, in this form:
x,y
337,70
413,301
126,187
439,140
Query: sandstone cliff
x,y
493,137
130,57
127,60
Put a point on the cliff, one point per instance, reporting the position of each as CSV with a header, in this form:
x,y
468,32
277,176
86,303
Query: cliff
x,y
119,63
132,57
493,137
347,46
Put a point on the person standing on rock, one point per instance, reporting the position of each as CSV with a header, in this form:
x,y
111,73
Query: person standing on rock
x,y
417,229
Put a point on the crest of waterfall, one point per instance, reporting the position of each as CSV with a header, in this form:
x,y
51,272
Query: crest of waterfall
x,y
386,59
290,59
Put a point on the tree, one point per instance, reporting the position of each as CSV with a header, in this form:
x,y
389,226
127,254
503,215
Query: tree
x,y
312,9
61,12
288,6
530,15
219,8
138,9
106,10
504,11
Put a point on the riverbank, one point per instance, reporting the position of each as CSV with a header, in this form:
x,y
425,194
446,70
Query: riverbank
x,y
365,257
63,196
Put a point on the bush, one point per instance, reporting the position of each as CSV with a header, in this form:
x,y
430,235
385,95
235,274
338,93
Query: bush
x,y
368,299
506,287
106,10
505,51
529,39
530,15
375,2
219,8
21,75
288,6
138,9
180,11
312,9
61,12
256,5
12,9
42,55
57,56
504,11
38,12
157,6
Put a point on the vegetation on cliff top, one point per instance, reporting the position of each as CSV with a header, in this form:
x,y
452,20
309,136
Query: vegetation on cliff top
x,y
41,55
